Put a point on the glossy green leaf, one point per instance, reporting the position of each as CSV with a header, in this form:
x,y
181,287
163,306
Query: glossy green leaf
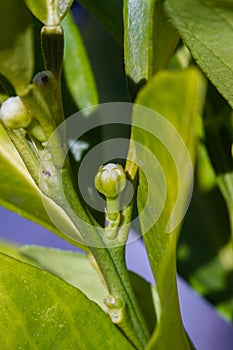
x,y
16,44
149,40
207,29
19,193
76,269
109,13
40,311
72,267
78,73
165,38
138,42
49,12
178,97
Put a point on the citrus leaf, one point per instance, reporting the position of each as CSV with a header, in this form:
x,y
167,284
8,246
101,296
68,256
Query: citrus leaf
x,y
207,29
78,73
49,12
42,311
72,267
16,44
109,13
178,97
19,192
165,38
138,42
11,249
76,269
149,41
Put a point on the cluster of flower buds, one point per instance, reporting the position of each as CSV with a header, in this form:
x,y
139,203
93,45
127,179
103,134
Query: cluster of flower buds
x,y
19,112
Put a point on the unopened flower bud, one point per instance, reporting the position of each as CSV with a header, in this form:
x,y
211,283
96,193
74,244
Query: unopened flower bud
x,y
44,79
110,180
14,113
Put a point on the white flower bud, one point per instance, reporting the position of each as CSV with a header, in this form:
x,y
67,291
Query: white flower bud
x,y
110,180
14,113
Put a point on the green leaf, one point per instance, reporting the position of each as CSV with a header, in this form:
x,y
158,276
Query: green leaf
x,y
207,29
19,192
109,13
49,12
178,97
76,269
165,38
149,40
78,73
11,249
138,42
72,267
43,312
16,44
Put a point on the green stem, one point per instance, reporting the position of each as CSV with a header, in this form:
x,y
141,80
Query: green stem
x,y
112,208
52,41
112,264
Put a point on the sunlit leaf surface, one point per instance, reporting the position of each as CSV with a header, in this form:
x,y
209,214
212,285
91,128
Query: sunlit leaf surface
x,y
40,311
207,29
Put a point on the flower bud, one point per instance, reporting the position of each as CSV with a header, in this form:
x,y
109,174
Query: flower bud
x,y
44,79
110,180
14,113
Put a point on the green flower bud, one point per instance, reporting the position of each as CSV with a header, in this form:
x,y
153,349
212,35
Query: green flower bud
x,y
44,79
14,113
110,180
